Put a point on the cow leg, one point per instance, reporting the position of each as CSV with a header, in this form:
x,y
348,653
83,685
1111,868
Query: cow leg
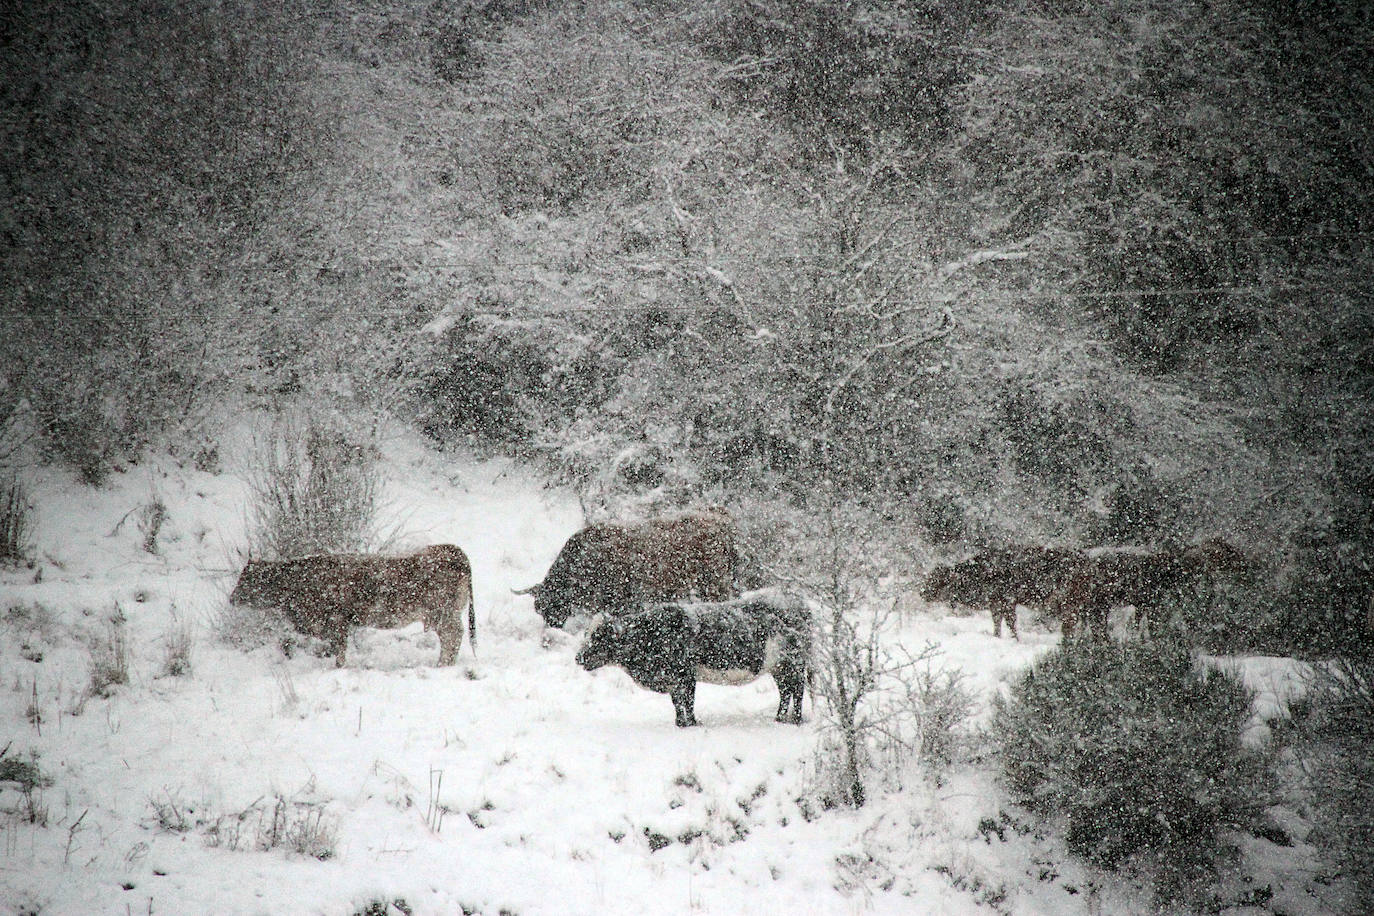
x,y
791,686
684,700
1142,620
1004,609
1096,624
450,632
338,644
1068,619
448,653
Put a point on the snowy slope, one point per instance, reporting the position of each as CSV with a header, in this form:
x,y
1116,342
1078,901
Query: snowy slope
x,y
512,782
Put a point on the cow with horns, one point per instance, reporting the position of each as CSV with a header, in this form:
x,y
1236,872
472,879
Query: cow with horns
x,y
617,568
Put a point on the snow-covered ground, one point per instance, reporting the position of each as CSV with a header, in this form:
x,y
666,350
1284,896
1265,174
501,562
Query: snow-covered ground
x,y
513,782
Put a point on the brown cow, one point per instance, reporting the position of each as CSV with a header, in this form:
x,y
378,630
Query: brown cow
x,y
620,567
326,596
1003,577
1146,580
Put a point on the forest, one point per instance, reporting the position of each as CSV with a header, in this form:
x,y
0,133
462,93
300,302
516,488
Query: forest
x,y
918,276
1089,273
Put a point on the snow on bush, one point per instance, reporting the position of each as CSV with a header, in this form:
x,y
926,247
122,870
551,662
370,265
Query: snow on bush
x,y
1139,750
1337,730
315,490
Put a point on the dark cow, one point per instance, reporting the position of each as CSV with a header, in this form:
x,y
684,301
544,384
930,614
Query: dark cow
x,y
616,567
1147,580
326,596
669,648
1003,577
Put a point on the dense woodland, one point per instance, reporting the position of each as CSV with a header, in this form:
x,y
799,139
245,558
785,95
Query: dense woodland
x,y
987,271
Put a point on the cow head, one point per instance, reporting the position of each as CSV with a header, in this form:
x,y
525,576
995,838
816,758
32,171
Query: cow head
x,y
1217,554
937,584
602,643
547,603
256,587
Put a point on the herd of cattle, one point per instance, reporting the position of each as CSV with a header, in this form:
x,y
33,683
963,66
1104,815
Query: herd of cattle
x,y
663,597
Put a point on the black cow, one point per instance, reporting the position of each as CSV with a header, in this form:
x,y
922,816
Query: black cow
x,y
668,648
617,568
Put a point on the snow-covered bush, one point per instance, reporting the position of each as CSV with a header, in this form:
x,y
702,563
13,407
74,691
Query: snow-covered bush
x,y
1139,750
1322,607
314,490
933,707
1336,728
293,824
23,775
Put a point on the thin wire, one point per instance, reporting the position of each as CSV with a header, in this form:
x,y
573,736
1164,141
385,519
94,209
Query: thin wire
x,y
279,318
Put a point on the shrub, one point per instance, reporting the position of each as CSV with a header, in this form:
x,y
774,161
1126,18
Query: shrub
x,y
1336,731
940,705
920,716
29,780
170,813
314,490
1139,750
16,522
246,628
301,827
380,906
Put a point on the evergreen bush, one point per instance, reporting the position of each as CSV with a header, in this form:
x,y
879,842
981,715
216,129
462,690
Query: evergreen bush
x,y
1139,750
1336,731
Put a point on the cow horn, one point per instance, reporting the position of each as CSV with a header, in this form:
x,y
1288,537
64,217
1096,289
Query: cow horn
x,y
534,589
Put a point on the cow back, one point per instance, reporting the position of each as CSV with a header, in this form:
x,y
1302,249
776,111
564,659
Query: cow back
x,y
424,586
618,568
1022,574
752,632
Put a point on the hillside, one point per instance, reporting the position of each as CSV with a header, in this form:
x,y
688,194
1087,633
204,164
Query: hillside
x,y
513,782
894,282
1013,271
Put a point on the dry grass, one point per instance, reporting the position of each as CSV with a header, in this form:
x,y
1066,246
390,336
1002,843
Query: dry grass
x,y
109,657
301,827
177,644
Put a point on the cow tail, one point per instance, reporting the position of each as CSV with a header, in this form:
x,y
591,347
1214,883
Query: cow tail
x,y
813,658
472,624
811,685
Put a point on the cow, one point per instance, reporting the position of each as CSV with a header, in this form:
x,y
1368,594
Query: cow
x,y
616,568
668,648
326,596
1146,580
1002,578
